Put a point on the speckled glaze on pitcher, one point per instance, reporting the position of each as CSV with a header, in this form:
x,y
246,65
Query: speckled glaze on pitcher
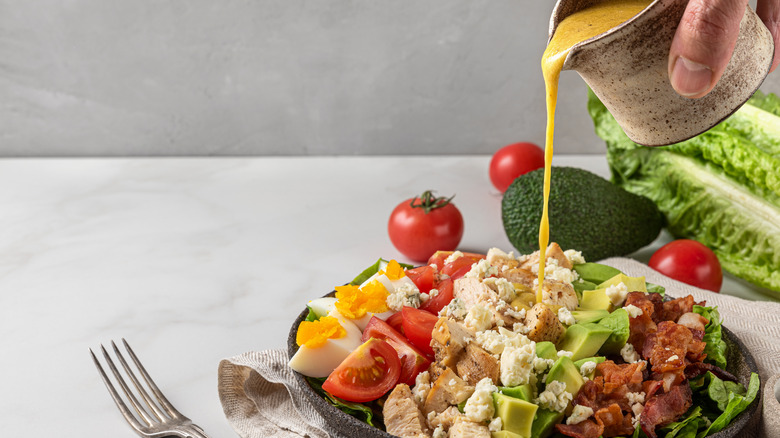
x,y
627,68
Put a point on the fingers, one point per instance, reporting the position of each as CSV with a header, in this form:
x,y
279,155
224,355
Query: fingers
x,y
769,11
703,45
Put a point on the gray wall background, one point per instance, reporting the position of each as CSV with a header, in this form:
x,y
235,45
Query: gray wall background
x,y
279,77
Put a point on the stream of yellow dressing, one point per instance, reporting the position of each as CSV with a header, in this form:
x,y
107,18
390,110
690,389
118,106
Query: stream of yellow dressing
x,y
577,27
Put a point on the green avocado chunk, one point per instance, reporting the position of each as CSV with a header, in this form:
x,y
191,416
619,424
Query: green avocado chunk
x,y
617,323
596,299
584,316
595,273
523,392
581,286
516,415
597,359
564,370
584,340
544,424
546,350
633,284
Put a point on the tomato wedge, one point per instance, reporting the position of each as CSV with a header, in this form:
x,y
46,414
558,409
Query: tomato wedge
x,y
457,268
413,361
423,277
442,298
418,326
395,321
439,257
366,374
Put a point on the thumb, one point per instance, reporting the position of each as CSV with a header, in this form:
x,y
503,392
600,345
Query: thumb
x,y
703,44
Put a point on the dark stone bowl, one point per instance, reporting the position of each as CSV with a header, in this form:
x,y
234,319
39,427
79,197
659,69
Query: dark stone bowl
x,y
740,363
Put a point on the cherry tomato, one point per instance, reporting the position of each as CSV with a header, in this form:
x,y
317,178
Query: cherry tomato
x,y
366,374
423,277
418,326
514,160
413,361
442,298
690,262
420,226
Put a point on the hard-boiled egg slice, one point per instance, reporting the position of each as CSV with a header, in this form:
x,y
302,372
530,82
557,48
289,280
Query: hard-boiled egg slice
x,y
361,322
322,306
321,361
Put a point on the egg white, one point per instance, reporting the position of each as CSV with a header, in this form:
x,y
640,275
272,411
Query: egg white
x,y
321,361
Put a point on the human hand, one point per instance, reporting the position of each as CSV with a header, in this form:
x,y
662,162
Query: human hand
x,y
705,40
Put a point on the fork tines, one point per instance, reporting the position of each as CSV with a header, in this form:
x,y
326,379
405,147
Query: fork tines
x,y
152,414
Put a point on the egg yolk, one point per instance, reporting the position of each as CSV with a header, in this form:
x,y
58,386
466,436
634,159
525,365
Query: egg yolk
x,y
394,271
354,302
314,334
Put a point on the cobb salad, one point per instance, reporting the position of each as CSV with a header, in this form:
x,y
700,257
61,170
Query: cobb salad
x,y
464,347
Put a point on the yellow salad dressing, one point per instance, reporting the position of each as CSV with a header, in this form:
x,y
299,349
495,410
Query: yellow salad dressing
x,y
575,28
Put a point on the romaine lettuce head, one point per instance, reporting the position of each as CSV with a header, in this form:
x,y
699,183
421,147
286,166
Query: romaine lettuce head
x,y
721,188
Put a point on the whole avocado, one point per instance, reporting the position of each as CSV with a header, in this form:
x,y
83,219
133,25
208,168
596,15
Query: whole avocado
x,y
586,213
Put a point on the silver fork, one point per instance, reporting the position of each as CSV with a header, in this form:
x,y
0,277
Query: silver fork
x,y
156,419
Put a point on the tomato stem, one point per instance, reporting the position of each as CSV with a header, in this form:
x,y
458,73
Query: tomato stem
x,y
428,202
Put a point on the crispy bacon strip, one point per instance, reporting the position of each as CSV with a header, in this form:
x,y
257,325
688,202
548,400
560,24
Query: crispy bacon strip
x,y
674,309
613,421
643,325
662,409
616,376
584,429
696,369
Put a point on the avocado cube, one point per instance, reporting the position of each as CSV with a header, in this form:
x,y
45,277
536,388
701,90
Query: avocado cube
x,y
546,350
584,339
582,285
595,273
584,316
597,360
516,415
595,300
505,434
617,323
544,423
564,370
633,284
523,392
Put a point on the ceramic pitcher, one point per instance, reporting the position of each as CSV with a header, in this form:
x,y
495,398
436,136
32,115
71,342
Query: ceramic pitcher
x,y
627,68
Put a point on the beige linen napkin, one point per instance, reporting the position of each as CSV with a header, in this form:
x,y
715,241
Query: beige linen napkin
x,y
261,399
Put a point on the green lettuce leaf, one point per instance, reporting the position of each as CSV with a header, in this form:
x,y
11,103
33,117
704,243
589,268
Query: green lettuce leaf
x,y
368,272
686,427
373,269
736,404
721,188
713,336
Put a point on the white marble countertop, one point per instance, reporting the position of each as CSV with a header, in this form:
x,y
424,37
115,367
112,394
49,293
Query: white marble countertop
x,y
193,260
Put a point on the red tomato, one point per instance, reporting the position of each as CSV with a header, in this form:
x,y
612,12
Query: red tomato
x,y
420,226
514,160
439,257
396,321
418,326
413,361
366,374
690,262
423,277
435,304
458,268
